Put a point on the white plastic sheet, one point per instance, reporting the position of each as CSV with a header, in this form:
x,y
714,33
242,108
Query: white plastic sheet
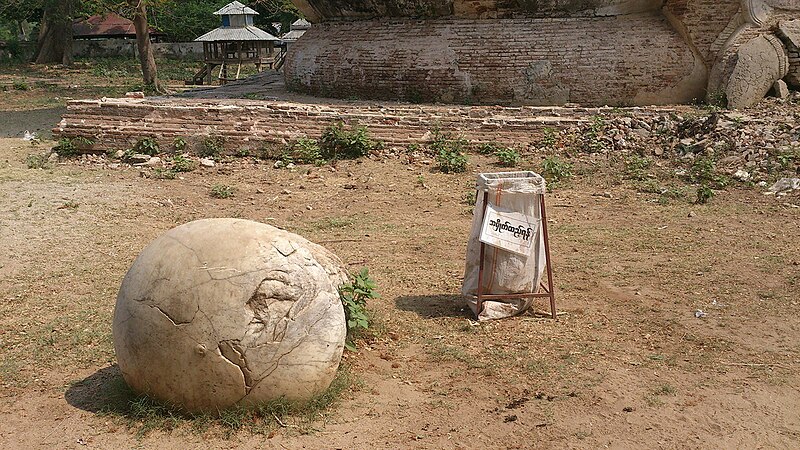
x,y
505,272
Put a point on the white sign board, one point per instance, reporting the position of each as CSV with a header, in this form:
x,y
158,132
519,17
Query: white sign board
x,y
508,230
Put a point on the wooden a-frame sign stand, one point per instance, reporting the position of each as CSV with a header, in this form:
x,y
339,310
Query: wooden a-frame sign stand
x,y
548,291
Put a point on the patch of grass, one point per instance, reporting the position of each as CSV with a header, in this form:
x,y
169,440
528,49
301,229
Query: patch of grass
x,y
145,415
165,174
222,191
555,170
441,352
337,142
20,85
653,398
38,162
636,167
333,223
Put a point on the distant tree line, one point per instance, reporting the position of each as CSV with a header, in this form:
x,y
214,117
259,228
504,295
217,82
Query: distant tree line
x,y
180,20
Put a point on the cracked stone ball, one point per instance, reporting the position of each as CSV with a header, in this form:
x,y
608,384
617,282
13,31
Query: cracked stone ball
x,y
224,312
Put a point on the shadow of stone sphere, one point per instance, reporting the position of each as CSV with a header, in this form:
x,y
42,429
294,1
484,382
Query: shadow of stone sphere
x,y
103,391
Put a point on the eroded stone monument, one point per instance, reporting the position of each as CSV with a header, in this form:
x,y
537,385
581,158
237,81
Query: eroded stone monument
x,y
545,52
223,312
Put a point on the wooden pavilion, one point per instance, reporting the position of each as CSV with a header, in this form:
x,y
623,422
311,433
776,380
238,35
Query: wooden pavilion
x,y
235,43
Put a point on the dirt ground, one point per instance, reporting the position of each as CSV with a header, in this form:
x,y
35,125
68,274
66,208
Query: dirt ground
x,y
627,365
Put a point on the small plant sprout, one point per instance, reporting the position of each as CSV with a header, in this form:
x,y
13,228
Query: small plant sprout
x,y
222,191
450,152
179,144
555,170
507,157
354,296
146,146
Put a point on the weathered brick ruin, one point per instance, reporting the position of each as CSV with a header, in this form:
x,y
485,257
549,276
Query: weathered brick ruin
x,y
544,52
526,52
116,124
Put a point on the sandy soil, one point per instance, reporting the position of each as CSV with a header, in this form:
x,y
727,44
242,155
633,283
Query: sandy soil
x,y
627,365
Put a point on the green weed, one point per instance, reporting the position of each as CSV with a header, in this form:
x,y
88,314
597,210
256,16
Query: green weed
x,y
636,167
179,144
507,157
222,191
66,148
38,162
450,152
354,296
183,164
339,143
146,146
555,170
212,146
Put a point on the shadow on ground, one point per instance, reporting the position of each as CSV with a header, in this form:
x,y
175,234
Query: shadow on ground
x,y
103,391
14,124
432,306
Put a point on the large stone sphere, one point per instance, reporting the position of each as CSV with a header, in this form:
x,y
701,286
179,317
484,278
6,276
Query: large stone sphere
x,y
223,312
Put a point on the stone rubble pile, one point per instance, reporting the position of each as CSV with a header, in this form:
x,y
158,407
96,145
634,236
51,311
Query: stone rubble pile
x,y
755,145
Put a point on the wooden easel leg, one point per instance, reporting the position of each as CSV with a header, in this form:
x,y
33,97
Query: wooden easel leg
x,y
549,263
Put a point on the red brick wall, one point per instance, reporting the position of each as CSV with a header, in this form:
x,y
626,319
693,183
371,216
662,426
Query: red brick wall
x,y
633,59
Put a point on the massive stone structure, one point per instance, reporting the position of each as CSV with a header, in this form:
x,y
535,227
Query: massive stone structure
x,y
537,52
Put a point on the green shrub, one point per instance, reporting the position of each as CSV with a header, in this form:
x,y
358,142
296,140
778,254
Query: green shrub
x,y
450,152
179,144
339,143
593,136
212,146
66,148
354,296
146,146
549,138
507,157
556,170
704,194
182,164
306,151
20,85
489,148
704,172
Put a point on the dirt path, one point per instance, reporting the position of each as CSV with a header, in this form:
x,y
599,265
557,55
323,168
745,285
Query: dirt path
x,y
627,365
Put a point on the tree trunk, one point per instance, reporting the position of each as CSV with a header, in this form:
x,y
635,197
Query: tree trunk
x,y
54,44
148,61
